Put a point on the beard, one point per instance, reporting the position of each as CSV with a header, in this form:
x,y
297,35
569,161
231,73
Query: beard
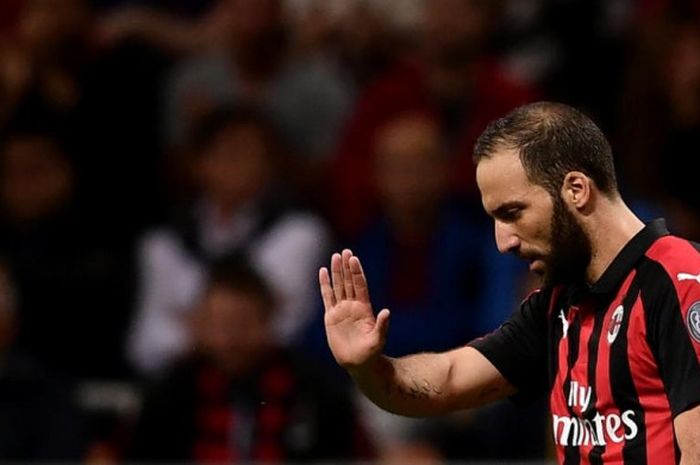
x,y
570,252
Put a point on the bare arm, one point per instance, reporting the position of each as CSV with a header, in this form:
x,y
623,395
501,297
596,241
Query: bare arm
x,y
687,429
432,383
417,385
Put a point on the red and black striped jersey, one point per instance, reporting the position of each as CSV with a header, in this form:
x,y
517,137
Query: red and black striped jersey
x,y
620,359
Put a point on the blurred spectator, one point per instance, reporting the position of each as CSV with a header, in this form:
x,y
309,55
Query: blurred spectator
x,y
426,259
239,397
305,96
43,56
425,255
363,36
37,419
660,113
53,66
453,77
240,207
72,279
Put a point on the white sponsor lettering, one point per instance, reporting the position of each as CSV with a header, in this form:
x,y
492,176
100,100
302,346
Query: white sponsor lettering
x,y
630,424
576,431
612,426
579,396
599,431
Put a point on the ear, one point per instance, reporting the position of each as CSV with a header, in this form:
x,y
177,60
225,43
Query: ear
x,y
576,190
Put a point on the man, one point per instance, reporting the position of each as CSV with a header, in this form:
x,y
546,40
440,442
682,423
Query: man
x,y
239,397
238,207
613,334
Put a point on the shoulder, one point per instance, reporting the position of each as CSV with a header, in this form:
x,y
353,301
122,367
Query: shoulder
x,y
675,255
164,252
159,244
543,299
671,266
298,227
669,279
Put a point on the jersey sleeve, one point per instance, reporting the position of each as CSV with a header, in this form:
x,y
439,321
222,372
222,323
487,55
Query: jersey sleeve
x,y
518,348
673,333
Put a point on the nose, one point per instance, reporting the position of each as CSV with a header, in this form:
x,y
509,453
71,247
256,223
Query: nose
x,y
506,239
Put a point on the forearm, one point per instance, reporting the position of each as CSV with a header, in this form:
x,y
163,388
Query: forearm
x,y
432,384
415,385
688,435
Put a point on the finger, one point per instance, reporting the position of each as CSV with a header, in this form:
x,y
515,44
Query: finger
x,y
337,275
326,290
381,326
359,281
347,275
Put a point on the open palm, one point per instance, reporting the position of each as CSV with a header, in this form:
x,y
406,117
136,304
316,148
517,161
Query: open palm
x,y
354,334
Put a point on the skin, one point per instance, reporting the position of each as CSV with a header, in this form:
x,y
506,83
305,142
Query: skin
x,y
232,329
688,435
235,168
410,173
35,179
436,383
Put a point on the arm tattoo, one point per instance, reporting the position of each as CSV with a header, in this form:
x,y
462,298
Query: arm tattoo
x,y
417,390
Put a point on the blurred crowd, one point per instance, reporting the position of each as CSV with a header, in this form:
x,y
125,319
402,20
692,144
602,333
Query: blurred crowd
x,y
174,172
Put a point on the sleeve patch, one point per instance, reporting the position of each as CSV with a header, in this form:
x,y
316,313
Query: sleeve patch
x,y
692,320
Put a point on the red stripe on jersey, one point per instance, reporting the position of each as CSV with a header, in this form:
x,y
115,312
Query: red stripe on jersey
x,y
580,370
557,399
682,262
605,403
650,390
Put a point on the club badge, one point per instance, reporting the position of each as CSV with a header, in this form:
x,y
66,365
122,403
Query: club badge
x,y
693,321
615,323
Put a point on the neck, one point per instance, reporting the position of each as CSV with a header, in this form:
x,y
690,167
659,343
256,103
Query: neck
x,y
609,232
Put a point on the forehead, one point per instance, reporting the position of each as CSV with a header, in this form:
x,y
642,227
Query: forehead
x,y
502,180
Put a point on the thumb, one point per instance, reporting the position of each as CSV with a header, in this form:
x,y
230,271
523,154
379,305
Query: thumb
x,y
381,326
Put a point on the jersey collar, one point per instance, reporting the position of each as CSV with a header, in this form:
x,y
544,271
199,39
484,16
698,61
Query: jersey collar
x,y
628,256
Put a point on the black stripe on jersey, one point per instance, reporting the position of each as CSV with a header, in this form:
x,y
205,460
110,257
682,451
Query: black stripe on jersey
x,y
554,334
572,454
595,457
622,385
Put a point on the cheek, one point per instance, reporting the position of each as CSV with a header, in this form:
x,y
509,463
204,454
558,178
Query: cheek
x,y
538,233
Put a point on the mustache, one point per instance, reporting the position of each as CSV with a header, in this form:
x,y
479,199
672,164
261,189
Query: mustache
x,y
529,256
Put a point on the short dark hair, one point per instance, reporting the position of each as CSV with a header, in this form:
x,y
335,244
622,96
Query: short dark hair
x,y
552,139
235,272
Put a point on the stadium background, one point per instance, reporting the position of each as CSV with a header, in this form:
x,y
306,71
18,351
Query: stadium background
x,y
142,141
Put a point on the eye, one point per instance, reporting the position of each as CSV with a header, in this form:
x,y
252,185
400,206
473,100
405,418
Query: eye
x,y
510,214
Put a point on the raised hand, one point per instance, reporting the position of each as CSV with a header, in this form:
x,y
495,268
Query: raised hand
x,y
354,334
